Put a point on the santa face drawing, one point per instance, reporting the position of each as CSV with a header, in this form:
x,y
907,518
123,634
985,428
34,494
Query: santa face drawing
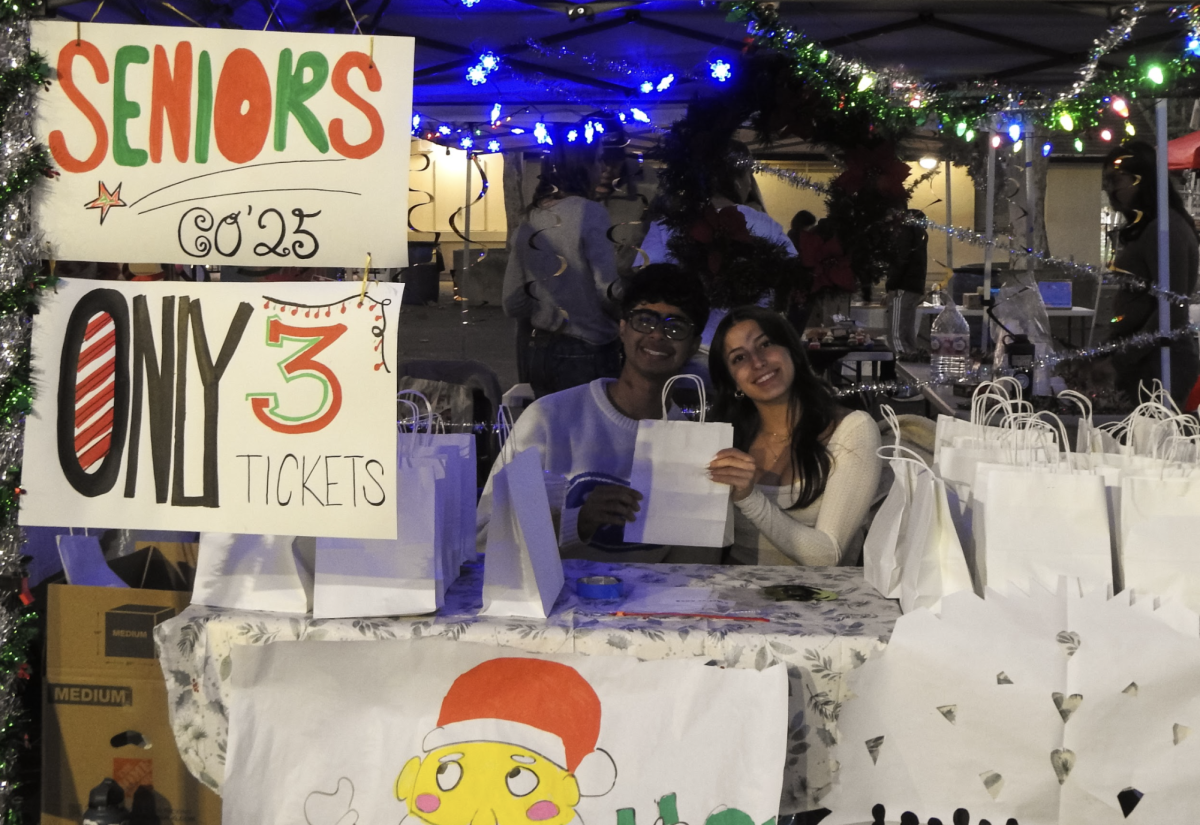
x,y
515,743
487,783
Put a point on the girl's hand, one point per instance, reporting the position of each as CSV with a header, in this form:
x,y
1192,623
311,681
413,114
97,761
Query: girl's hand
x,y
735,468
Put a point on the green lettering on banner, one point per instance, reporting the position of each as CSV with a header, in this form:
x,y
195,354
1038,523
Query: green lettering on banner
x,y
204,107
124,109
291,93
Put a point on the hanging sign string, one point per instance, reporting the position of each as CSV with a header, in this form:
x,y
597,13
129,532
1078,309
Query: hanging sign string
x,y
366,274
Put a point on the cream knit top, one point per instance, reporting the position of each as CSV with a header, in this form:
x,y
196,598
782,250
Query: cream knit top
x,y
830,530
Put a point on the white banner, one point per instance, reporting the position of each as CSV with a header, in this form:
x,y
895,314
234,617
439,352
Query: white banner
x,y
222,146
230,408
448,733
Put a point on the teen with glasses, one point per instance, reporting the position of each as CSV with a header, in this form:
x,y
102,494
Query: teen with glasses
x,y
803,470
586,434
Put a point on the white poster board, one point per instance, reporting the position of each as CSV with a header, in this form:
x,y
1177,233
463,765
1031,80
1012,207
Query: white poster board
x,y
221,146
230,408
446,733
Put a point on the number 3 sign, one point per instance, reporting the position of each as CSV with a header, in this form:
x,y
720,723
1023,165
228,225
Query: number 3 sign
x,y
226,408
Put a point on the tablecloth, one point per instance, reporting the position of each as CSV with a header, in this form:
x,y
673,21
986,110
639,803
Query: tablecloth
x,y
818,642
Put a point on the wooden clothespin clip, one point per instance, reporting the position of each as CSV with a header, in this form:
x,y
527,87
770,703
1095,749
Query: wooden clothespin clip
x,y
366,273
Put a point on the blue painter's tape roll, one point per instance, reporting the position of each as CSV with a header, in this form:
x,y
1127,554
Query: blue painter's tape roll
x,y
598,587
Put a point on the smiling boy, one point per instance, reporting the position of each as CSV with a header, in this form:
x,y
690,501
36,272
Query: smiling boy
x,y
586,434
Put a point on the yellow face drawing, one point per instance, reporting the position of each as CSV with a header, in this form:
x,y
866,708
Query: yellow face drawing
x,y
487,783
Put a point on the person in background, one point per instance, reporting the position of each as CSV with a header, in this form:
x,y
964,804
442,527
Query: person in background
x,y
802,221
803,470
562,273
1131,182
905,283
732,184
586,434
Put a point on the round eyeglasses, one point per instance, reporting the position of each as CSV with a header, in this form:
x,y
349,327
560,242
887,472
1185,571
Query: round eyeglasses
x,y
674,327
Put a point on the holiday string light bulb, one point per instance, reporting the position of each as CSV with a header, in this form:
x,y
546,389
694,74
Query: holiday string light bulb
x,y
1018,146
1106,134
1047,148
495,118
1066,121
1120,106
995,141
1014,132
1155,75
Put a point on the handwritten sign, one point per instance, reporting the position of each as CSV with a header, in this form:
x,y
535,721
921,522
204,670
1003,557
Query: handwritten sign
x,y
238,408
184,145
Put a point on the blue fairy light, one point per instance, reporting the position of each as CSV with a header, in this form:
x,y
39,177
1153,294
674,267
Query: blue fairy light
x,y
647,87
467,142
721,71
589,132
1047,147
543,136
665,83
443,129
621,115
493,146
495,113
640,116
517,130
1014,131
572,136
1193,45
470,3
488,63
416,121
599,127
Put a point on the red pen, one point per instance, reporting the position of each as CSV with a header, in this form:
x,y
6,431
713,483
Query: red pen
x,y
692,616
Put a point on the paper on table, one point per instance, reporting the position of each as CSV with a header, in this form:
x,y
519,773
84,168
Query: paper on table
x,y
651,599
83,562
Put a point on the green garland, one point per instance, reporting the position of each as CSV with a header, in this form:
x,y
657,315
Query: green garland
x,y
896,101
22,79
19,10
35,166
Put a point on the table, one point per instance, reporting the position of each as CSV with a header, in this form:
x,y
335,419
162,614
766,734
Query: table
x,y
1070,313
818,642
830,358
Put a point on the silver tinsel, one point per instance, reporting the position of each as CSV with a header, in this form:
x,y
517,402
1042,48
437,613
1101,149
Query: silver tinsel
x,y
1117,33
791,178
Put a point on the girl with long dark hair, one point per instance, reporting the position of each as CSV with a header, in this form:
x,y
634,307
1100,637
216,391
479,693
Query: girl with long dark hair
x,y
1131,183
803,470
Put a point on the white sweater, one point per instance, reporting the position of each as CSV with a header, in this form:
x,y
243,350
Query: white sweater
x,y
581,436
828,531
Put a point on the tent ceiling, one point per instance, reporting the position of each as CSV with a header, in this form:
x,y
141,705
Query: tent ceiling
x,y
597,59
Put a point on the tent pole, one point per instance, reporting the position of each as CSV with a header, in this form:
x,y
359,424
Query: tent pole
x,y
1031,217
949,220
463,303
989,231
1164,242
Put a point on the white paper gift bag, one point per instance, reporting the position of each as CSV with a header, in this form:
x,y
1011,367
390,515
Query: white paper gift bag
x,y
250,572
522,571
1041,525
881,565
681,505
932,564
1160,526
389,577
458,504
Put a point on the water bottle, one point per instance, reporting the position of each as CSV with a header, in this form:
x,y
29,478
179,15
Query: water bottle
x,y
949,345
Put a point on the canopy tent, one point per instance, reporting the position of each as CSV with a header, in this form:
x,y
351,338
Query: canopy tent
x,y
562,61
1184,153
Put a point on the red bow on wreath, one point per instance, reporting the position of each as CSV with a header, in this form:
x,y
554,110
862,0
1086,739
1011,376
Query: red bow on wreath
x,y
727,225
829,263
878,165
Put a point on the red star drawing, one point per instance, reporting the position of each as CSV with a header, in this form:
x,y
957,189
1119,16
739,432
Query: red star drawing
x,y
106,200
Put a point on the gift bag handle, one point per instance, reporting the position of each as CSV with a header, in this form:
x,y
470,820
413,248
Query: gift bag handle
x,y
889,415
407,444
1080,400
404,395
888,452
666,391
503,429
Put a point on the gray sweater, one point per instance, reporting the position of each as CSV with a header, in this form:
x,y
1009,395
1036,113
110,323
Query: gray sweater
x,y
561,281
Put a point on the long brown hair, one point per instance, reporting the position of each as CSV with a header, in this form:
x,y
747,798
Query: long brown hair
x,y
813,397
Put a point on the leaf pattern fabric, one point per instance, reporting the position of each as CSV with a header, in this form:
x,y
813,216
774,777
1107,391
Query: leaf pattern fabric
x,y
818,643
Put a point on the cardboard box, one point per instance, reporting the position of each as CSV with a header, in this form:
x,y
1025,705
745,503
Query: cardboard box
x,y
105,709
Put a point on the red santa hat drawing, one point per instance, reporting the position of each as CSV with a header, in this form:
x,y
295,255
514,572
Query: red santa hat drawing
x,y
544,706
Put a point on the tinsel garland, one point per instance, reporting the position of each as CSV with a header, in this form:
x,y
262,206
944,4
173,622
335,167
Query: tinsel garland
x,y
1132,343
895,100
23,163
1116,34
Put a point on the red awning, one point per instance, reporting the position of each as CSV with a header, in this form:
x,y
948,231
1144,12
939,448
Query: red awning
x,y
1184,152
